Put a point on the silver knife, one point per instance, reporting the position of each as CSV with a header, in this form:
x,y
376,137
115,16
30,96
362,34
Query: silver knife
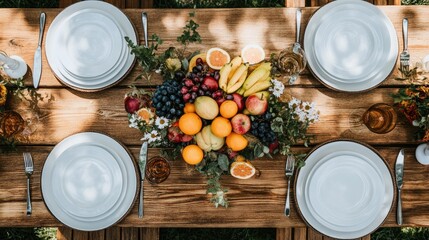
x,y
142,167
144,21
37,67
399,172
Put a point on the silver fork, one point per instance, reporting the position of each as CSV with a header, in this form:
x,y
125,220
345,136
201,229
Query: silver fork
x,y
290,165
28,163
404,58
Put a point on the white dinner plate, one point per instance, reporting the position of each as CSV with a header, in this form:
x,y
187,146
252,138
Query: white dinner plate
x,y
89,181
111,74
345,190
350,45
92,43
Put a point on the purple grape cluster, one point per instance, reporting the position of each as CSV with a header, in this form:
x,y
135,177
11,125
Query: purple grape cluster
x,y
200,82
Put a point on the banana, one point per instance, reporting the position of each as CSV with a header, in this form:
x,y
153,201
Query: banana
x,y
224,73
259,86
241,90
237,75
238,84
201,143
236,62
254,77
265,65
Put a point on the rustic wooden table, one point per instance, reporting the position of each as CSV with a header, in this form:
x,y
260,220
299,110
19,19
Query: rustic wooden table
x,y
181,201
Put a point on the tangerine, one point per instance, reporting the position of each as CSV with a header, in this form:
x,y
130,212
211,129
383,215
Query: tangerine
x,y
189,108
217,57
252,54
242,170
228,109
192,154
221,127
236,142
190,123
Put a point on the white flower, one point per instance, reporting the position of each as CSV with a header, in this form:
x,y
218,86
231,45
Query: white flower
x,y
161,122
158,71
294,103
134,121
151,137
278,88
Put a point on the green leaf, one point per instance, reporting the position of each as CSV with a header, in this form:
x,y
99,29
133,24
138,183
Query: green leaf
x,y
223,162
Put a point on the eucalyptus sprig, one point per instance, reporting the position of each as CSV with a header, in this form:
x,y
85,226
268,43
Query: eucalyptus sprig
x,y
189,35
146,56
214,165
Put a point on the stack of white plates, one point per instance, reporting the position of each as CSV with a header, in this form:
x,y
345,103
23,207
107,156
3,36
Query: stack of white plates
x,y
85,45
89,181
345,190
350,45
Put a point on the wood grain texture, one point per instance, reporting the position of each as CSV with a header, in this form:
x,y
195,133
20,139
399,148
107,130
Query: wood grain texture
x,y
340,116
149,233
300,233
183,194
113,233
228,28
284,233
64,233
181,201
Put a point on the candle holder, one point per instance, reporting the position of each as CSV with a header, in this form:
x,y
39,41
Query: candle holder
x,y
422,154
14,66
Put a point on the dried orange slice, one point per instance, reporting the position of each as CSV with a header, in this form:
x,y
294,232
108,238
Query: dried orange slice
x,y
3,94
252,54
146,114
217,57
242,169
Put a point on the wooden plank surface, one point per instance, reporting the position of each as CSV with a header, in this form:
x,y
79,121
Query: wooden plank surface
x,y
229,29
183,194
181,201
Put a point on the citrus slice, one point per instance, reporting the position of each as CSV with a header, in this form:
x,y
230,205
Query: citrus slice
x,y
146,115
242,170
252,54
3,95
217,57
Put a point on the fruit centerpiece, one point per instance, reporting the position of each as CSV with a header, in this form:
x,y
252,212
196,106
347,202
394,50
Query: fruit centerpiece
x,y
217,112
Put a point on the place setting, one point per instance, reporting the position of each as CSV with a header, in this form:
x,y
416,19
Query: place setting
x,y
86,47
350,46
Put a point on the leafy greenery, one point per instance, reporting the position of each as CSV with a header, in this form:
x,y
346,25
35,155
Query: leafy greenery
x,y
217,3
218,233
28,233
397,233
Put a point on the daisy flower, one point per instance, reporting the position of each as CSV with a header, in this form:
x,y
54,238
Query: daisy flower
x,y
134,121
161,122
278,87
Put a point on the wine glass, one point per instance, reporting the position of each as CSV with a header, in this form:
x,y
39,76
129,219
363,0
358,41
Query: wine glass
x,y
379,118
291,61
14,66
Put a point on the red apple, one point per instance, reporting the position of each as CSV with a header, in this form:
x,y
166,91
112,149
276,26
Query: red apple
x,y
240,123
239,100
257,103
177,136
132,104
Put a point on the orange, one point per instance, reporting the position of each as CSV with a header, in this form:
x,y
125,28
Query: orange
x,y
189,108
145,114
190,123
217,57
221,127
236,142
228,109
242,170
192,154
252,54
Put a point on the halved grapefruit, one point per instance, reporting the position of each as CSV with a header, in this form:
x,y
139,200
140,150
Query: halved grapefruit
x,y
217,57
253,54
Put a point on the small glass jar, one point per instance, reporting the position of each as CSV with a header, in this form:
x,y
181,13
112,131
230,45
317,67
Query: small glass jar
x,y
157,170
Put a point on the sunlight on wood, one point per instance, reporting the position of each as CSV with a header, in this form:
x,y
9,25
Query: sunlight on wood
x,y
252,32
173,22
219,25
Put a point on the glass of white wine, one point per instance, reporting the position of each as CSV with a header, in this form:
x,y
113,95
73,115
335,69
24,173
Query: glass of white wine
x,y
291,61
